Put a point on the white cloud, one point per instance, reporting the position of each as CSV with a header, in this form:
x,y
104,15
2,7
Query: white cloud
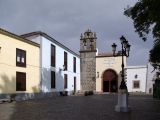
x,y
65,20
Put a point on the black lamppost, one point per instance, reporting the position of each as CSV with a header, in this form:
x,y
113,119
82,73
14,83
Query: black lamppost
x,y
125,52
122,105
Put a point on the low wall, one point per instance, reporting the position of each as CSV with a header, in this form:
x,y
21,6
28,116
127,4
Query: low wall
x,y
27,96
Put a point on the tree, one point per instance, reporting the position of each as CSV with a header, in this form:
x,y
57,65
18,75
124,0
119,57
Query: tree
x,y
155,55
146,19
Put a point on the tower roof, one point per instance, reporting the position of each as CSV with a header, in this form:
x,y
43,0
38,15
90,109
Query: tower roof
x,y
88,34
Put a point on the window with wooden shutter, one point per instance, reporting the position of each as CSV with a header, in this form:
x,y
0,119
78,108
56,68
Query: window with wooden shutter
x,y
20,58
75,84
136,84
53,80
20,81
53,56
74,64
65,60
65,80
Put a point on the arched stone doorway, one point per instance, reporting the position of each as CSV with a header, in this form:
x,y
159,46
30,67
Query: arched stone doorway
x,y
110,81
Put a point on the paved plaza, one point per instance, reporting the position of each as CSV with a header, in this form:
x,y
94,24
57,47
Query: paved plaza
x,y
96,107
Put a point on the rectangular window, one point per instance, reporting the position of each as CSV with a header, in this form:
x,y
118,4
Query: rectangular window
x,y
136,84
53,80
65,80
75,84
20,81
53,55
65,61
74,64
20,58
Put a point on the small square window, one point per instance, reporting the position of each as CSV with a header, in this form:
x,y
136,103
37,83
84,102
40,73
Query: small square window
x,y
18,58
136,76
22,60
136,84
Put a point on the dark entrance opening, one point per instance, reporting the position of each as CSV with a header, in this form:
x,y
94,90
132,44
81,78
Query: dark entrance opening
x,y
110,81
105,86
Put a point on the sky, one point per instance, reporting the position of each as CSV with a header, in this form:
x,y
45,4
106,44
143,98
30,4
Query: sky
x,y
65,20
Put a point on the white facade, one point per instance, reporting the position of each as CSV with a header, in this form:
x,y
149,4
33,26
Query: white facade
x,y
136,78
45,42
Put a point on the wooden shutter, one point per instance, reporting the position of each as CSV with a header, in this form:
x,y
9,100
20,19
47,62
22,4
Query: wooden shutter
x,y
65,60
53,56
65,80
74,64
75,84
20,58
53,81
20,81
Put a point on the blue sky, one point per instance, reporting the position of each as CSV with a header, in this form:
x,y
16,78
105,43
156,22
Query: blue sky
x,y
65,20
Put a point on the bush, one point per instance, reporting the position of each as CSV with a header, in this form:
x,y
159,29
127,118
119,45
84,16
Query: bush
x,y
63,93
86,93
158,92
156,89
74,93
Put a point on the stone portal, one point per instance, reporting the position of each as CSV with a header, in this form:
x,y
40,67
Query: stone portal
x,y
110,81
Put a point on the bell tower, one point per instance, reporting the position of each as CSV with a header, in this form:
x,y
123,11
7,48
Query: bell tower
x,y
88,60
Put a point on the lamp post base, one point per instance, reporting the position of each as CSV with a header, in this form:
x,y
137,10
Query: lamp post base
x,y
122,109
122,105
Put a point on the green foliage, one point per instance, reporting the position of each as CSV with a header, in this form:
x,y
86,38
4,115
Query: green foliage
x,y
86,93
156,89
74,93
146,18
156,92
63,93
155,56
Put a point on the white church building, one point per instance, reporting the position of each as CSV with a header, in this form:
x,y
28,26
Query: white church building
x,y
140,78
136,78
60,66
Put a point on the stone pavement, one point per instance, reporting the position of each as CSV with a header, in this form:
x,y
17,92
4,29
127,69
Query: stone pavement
x,y
96,107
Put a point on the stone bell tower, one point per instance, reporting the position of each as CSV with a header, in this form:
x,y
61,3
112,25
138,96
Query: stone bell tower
x,y
88,60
